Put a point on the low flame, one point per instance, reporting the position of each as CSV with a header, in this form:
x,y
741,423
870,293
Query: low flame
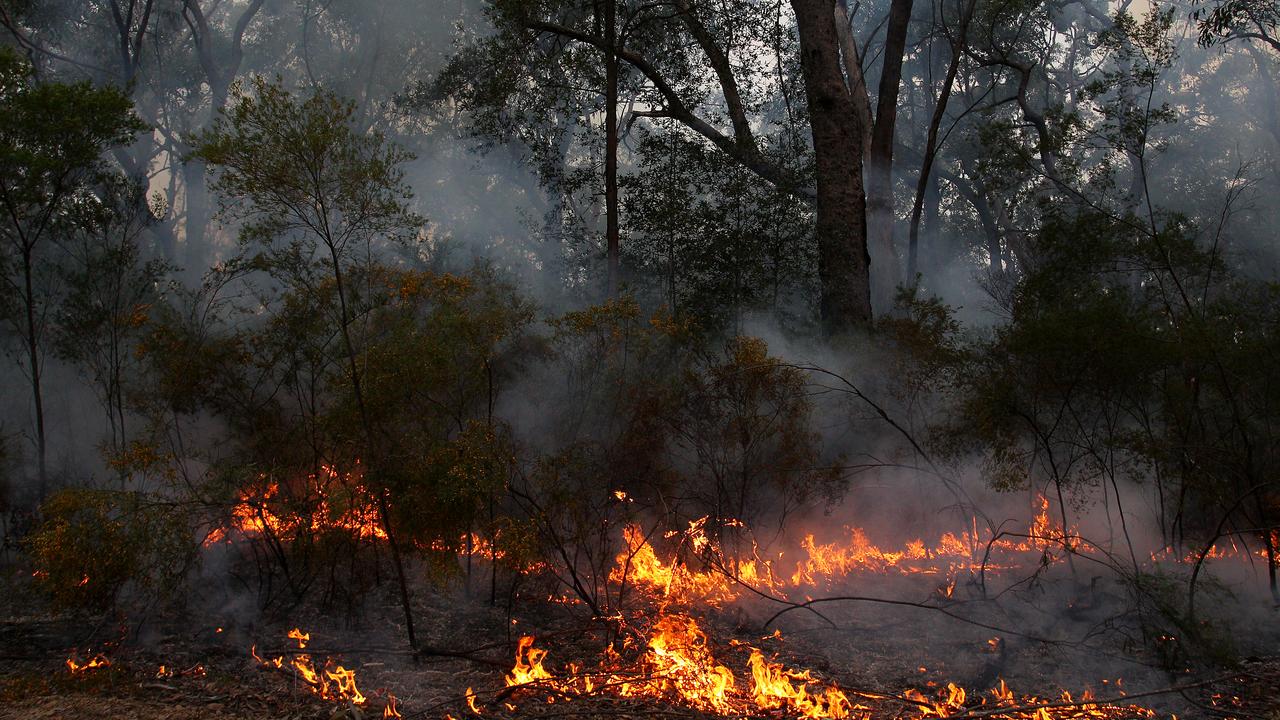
x,y
528,667
678,666
301,637
77,668
259,511
471,701
330,681
776,687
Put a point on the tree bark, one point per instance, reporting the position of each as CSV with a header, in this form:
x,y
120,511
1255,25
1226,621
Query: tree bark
x,y
196,222
853,71
880,220
843,261
611,145
33,357
931,142
839,197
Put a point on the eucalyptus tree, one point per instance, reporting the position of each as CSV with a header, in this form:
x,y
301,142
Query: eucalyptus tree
x,y
316,200
1238,21
738,76
53,138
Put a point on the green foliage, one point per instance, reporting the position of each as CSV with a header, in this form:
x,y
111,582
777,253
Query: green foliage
x,y
745,425
1225,20
927,343
713,240
308,187
52,136
57,180
1176,638
92,544
110,290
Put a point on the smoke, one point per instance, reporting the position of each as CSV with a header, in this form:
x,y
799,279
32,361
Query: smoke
x,y
490,205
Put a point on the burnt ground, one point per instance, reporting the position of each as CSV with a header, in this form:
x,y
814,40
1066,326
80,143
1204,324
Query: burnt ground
x,y
860,645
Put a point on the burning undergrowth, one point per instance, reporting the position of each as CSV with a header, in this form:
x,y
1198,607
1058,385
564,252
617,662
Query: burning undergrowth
x,y
680,623
700,580
690,629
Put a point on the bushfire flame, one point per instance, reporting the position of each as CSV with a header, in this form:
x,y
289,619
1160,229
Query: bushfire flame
x,y
330,681
678,666
77,668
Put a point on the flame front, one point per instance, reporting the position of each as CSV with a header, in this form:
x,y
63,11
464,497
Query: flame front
x,y
684,667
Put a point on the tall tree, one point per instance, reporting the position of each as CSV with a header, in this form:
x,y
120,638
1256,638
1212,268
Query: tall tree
x,y
315,197
957,38
676,53
52,140
844,264
220,66
879,155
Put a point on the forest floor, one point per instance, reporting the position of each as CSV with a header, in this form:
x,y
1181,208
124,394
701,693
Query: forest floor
x,y
165,667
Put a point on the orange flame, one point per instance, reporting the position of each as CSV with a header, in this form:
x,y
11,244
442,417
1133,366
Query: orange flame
x,y
471,701
528,667
77,668
301,637
331,682
773,688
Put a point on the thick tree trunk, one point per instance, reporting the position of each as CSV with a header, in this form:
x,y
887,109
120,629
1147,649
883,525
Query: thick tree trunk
x,y
843,262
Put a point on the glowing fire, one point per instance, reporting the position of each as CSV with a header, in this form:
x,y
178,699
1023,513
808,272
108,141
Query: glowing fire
x,y
684,668
679,666
330,681
826,563
340,502
666,656
301,637
528,667
776,687
77,668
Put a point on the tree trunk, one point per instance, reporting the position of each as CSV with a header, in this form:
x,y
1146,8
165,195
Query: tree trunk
x,y
33,357
880,218
611,146
196,196
843,262
372,455
931,142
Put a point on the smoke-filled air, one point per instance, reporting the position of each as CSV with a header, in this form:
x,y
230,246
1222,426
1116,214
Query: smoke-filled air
x,y
661,359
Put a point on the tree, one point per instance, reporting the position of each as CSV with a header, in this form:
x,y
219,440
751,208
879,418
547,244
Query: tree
x,y
315,197
220,70
674,54
52,140
109,289
1229,20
